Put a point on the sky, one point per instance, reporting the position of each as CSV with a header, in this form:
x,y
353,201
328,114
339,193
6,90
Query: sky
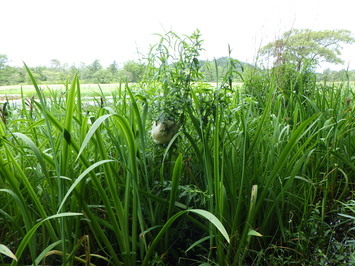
x,y
80,31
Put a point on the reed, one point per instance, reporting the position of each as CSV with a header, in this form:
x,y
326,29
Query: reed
x,y
252,173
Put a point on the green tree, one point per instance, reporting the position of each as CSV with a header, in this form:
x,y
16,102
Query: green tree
x,y
16,75
304,45
3,61
114,70
95,66
91,69
132,71
55,64
8,74
3,70
86,72
102,76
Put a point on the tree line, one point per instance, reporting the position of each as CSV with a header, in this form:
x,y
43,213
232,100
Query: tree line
x,y
130,71
58,73
295,50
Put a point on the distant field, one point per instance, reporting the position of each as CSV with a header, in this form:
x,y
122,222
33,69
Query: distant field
x,y
14,91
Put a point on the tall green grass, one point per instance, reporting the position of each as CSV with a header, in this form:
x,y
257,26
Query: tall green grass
x,y
253,176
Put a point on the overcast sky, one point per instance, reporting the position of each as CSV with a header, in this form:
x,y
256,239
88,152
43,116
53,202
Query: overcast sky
x,y
75,31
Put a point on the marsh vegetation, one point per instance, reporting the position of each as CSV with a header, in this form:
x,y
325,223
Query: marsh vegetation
x,y
260,173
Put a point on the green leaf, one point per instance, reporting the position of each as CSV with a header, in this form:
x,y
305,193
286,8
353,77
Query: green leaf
x,y
35,150
254,233
45,252
25,241
7,252
76,182
91,132
347,216
199,242
214,220
175,183
205,214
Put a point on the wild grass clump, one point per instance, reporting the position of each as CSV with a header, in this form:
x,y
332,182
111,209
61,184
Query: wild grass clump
x,y
251,175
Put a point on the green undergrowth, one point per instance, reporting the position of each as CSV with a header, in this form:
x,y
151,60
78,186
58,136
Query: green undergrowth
x,y
257,174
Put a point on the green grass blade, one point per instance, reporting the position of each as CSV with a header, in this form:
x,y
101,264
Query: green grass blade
x,y
30,189
175,184
35,150
199,242
174,189
77,181
45,252
214,220
97,183
25,241
91,132
205,214
7,252
68,125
